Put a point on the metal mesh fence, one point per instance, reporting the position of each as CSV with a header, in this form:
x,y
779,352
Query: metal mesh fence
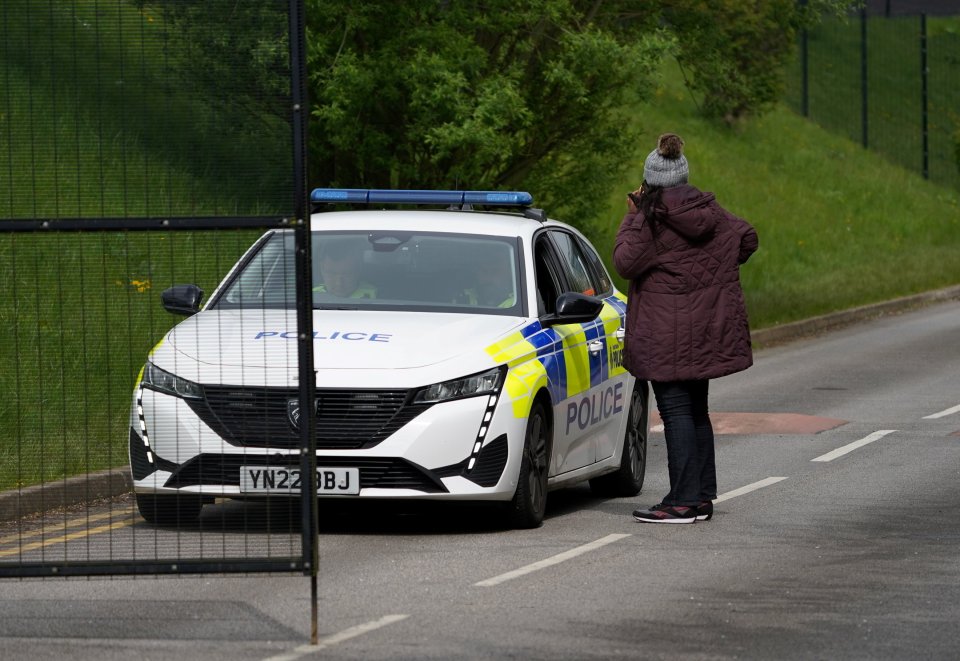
x,y
888,82
84,313
115,109
116,116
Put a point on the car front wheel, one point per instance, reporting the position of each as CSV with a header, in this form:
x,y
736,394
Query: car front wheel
x,y
529,503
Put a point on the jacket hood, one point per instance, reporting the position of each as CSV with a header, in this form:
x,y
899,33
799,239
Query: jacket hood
x,y
688,211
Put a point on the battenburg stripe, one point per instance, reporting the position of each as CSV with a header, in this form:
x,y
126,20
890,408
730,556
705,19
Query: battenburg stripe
x,y
561,357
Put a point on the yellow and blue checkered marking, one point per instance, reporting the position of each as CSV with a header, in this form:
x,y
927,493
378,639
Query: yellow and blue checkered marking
x,y
558,357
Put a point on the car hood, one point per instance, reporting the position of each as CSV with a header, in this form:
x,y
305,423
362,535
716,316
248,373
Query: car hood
x,y
343,339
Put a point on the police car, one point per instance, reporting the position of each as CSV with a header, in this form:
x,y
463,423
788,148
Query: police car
x,y
460,355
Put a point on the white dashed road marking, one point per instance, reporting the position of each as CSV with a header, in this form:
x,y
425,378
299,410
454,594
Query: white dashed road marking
x,y
839,452
557,559
748,488
333,639
361,629
943,414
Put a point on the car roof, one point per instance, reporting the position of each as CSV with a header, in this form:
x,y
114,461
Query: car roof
x,y
431,220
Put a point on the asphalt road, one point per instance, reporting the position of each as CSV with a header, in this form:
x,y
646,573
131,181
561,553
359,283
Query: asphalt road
x,y
839,543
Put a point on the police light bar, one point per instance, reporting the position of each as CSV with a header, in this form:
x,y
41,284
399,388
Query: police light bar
x,y
386,196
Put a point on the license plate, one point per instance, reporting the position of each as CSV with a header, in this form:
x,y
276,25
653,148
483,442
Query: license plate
x,y
277,480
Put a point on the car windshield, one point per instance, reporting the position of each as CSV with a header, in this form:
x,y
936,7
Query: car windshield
x,y
385,271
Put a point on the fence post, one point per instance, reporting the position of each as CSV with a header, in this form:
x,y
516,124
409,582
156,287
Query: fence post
x,y
924,75
308,455
804,69
863,74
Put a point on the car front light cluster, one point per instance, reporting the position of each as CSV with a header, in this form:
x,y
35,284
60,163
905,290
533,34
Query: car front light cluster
x,y
163,381
485,383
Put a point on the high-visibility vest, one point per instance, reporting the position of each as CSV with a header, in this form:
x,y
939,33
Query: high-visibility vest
x,y
471,296
364,290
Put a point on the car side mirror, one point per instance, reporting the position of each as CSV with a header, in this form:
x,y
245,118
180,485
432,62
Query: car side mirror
x,y
574,308
182,299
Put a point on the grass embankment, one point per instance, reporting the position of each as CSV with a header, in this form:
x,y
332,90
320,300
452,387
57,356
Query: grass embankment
x,y
839,226
894,89
91,127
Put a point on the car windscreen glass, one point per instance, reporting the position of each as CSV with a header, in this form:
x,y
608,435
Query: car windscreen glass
x,y
406,270
386,271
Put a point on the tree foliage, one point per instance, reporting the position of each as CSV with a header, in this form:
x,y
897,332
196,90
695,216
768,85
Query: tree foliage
x,y
494,94
734,52
483,93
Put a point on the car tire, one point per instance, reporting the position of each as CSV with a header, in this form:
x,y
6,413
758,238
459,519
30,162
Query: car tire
x,y
628,479
529,503
173,511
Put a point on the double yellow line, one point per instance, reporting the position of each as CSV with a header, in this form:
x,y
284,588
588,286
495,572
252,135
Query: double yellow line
x,y
127,520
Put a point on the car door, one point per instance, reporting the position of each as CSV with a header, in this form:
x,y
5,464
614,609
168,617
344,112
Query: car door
x,y
564,355
594,409
617,381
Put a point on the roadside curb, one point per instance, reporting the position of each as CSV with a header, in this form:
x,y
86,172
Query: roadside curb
x,y
109,483
814,326
113,482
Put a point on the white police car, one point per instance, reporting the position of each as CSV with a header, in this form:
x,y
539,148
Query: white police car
x,y
459,355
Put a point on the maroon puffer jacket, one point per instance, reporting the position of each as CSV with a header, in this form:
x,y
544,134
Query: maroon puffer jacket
x,y
686,317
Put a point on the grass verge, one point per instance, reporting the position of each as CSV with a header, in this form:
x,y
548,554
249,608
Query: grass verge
x,y
839,226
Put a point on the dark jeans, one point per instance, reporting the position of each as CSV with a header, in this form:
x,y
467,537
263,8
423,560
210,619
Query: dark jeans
x,y
690,454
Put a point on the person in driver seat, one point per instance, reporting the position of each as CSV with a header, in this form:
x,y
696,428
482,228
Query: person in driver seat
x,y
492,285
340,269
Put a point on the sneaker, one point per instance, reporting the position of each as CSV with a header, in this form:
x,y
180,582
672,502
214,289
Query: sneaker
x,y
705,511
666,514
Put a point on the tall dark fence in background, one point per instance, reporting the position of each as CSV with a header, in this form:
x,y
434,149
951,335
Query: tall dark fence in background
x,y
887,77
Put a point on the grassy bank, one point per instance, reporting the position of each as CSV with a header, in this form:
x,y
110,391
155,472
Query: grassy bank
x,y
894,89
93,125
839,226
81,313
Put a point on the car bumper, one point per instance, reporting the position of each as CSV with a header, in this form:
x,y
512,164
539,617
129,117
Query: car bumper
x,y
466,449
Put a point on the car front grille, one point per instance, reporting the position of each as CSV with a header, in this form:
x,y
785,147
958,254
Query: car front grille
x,y
345,419
375,472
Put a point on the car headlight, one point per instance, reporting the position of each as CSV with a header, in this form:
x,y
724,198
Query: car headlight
x,y
484,383
163,381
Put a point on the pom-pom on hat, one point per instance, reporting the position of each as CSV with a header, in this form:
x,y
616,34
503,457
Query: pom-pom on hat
x,y
666,165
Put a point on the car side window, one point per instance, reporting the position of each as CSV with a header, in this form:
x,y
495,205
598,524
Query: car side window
x,y
598,273
574,264
548,287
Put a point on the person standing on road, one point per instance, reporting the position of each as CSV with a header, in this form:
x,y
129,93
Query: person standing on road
x,y
686,317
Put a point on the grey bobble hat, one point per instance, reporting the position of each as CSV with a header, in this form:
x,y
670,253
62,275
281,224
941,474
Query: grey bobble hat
x,y
666,165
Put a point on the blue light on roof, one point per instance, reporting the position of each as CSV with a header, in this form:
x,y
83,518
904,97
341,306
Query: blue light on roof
x,y
339,195
386,196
